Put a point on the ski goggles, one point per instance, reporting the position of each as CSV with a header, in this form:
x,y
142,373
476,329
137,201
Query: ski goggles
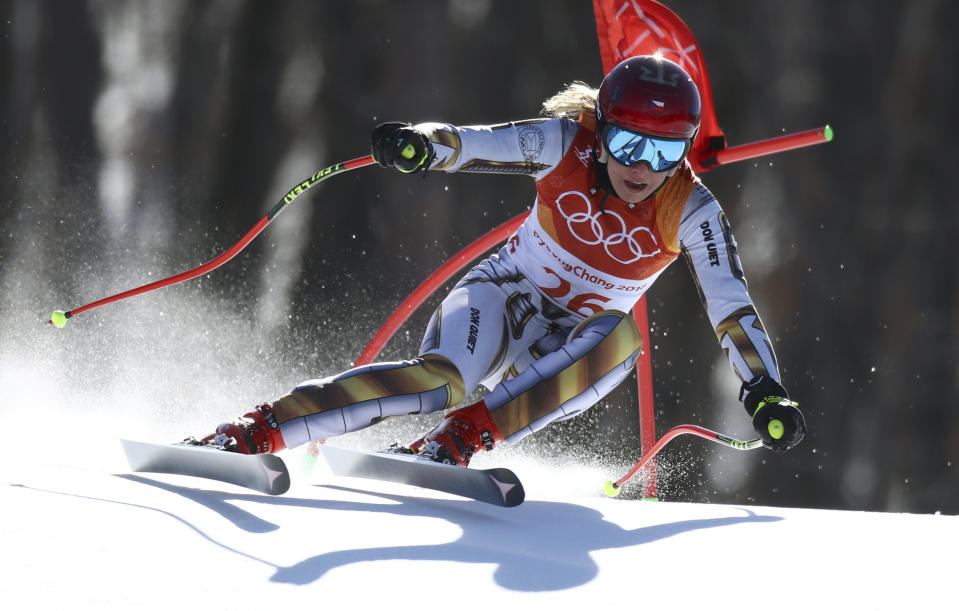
x,y
629,148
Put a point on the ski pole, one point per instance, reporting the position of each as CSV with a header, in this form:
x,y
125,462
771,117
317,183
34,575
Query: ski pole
x,y
59,317
613,488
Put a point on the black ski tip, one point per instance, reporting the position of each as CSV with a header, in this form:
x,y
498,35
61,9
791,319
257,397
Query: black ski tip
x,y
279,484
509,486
515,497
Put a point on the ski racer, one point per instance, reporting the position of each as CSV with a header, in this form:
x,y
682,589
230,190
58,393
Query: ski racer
x,y
542,324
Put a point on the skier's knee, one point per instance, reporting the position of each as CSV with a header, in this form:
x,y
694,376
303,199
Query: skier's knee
x,y
598,356
365,395
616,330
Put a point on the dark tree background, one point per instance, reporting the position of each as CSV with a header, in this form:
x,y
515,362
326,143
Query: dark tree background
x,y
144,135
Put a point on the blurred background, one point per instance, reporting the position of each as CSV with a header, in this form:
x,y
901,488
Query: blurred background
x,y
142,138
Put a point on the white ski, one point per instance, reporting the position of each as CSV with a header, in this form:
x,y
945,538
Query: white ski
x,y
498,486
264,473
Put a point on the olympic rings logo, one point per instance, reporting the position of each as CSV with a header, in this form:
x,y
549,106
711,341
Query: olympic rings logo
x,y
621,246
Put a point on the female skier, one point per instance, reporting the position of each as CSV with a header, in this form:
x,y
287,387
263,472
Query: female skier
x,y
542,324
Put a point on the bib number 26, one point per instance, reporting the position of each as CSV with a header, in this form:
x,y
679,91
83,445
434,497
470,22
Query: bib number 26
x,y
586,304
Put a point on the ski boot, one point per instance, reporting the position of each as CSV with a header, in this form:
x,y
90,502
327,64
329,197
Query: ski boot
x,y
254,433
463,433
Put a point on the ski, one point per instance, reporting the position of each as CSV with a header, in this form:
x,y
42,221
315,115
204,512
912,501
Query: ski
x,y
264,473
498,486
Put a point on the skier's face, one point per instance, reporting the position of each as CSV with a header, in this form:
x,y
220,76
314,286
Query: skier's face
x,y
634,183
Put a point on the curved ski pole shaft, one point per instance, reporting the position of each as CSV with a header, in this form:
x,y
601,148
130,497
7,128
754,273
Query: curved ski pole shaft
x,y
612,488
59,317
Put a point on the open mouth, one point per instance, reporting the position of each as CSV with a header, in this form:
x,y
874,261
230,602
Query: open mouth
x,y
635,186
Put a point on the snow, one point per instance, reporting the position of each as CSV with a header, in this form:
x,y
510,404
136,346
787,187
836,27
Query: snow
x,y
79,531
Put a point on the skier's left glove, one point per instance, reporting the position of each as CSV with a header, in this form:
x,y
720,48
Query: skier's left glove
x,y
777,419
401,146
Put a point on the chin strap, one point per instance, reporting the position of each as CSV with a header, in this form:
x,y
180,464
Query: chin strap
x,y
602,173
602,156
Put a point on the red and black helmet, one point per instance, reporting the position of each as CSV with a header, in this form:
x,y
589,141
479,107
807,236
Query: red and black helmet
x,y
652,95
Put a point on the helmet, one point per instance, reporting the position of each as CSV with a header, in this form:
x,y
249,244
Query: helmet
x,y
652,95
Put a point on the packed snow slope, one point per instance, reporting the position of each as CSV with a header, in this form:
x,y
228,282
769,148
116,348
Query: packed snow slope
x,y
80,531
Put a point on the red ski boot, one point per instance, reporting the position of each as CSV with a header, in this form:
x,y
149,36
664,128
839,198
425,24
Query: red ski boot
x,y
463,433
254,433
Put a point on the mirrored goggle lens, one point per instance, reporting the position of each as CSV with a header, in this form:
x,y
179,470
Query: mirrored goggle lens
x,y
629,148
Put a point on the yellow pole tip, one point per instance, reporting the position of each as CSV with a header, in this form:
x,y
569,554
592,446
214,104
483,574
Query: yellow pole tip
x,y
611,489
58,318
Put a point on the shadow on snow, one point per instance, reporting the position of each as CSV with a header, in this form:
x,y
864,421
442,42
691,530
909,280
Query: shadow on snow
x,y
538,546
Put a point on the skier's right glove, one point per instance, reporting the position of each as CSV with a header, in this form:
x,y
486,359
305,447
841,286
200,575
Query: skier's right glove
x,y
777,419
401,146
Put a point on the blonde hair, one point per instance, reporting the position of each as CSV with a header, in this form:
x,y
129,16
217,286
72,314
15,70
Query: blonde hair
x,y
577,99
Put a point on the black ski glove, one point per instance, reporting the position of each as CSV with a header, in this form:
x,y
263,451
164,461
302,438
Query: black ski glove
x,y
777,419
401,146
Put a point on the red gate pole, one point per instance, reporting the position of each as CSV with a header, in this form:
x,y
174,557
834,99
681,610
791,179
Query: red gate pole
x,y
647,410
437,279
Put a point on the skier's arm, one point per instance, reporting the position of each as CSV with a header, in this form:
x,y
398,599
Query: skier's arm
x,y
710,249
530,147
